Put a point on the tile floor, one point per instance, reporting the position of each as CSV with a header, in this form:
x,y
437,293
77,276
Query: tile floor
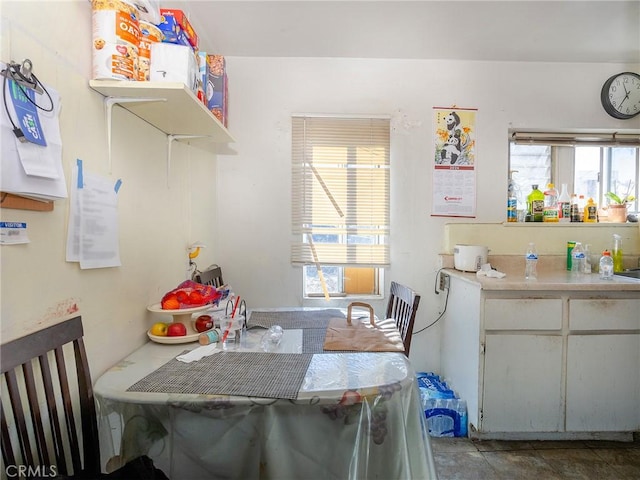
x,y
465,459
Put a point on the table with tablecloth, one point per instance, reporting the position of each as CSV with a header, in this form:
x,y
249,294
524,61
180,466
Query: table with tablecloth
x,y
297,412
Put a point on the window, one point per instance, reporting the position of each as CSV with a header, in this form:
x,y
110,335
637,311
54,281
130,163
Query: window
x,y
591,164
340,203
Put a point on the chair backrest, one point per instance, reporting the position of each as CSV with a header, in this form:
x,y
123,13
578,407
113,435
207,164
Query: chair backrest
x,y
211,276
402,307
45,397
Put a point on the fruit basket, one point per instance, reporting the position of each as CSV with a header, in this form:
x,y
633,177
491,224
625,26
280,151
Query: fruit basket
x,y
180,315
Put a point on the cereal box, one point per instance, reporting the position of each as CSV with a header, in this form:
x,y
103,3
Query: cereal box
x,y
216,85
173,16
173,32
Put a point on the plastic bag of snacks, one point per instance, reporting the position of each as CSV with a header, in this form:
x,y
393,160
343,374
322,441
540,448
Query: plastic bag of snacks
x,y
190,294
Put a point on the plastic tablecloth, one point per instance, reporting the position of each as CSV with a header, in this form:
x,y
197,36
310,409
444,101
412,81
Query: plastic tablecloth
x,y
357,415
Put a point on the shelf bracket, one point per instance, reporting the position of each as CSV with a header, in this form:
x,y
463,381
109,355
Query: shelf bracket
x,y
170,138
109,102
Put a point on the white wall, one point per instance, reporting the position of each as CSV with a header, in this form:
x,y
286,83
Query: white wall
x,y
239,204
254,183
156,222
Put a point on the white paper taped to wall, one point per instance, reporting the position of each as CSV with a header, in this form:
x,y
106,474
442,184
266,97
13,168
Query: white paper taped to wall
x,y
29,169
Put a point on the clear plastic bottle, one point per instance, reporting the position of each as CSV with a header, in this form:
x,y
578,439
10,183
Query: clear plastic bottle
x,y
550,211
587,258
606,266
617,253
564,204
577,259
535,204
531,266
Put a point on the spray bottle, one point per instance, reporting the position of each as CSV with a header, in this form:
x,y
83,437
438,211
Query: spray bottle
x,y
617,253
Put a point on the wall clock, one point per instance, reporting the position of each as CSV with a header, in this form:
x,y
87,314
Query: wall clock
x,y
620,95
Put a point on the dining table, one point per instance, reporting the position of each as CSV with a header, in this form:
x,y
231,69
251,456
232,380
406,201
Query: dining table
x,y
285,410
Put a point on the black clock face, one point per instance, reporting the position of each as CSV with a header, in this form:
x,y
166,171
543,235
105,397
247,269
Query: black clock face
x,y
620,95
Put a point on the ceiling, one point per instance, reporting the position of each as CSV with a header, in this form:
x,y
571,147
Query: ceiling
x,y
530,31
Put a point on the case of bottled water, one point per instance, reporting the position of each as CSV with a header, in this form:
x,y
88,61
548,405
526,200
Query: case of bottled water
x,y
446,413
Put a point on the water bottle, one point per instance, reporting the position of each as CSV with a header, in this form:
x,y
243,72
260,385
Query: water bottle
x,y
531,257
577,259
587,258
606,266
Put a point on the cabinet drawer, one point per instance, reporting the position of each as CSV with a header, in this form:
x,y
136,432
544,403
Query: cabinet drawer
x,y
604,314
523,314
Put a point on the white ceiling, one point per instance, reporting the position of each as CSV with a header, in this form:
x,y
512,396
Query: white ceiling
x,y
545,31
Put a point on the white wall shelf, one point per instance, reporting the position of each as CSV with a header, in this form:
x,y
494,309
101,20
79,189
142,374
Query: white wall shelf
x,y
177,111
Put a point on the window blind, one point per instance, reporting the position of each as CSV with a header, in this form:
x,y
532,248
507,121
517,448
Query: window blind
x,y
340,191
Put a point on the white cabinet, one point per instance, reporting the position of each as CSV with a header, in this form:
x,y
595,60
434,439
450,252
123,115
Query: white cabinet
x,y
543,364
522,384
603,365
523,351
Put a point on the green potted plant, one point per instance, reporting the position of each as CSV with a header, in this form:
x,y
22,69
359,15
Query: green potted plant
x,y
617,208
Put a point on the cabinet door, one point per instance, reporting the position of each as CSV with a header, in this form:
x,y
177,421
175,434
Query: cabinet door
x,y
522,384
603,383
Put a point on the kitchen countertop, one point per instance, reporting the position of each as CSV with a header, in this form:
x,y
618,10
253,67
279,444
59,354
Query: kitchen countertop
x,y
557,280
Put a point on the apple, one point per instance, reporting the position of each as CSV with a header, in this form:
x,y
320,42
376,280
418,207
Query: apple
x,y
159,329
203,323
176,330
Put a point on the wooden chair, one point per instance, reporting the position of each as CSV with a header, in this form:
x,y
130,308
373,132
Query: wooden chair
x,y
402,307
47,392
211,276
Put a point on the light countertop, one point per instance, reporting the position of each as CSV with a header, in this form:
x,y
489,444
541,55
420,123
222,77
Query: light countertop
x,y
557,280
552,275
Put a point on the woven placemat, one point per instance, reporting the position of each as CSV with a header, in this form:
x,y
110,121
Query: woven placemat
x,y
246,374
313,340
290,319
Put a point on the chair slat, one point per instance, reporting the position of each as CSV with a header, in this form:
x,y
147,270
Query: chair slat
x,y
70,423
7,451
39,441
52,409
18,417
87,408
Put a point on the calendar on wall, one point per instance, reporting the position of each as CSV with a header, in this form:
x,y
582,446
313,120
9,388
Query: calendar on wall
x,y
454,165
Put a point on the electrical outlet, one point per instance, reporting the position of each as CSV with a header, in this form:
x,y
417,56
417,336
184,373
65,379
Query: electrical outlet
x,y
444,281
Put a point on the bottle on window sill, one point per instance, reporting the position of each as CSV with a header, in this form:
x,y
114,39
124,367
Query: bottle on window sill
x,y
564,205
591,211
